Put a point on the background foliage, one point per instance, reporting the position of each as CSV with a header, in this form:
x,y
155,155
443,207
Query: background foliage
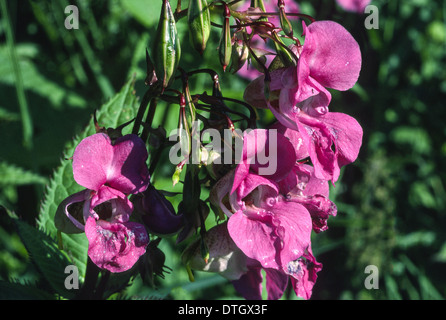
x,y
391,201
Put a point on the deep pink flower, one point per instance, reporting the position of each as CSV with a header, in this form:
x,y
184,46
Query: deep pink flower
x,y
329,58
262,224
121,165
115,246
357,6
109,170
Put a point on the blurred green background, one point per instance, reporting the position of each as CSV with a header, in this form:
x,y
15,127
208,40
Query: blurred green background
x,y
391,201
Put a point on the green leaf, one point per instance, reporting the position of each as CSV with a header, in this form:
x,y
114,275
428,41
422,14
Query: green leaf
x,y
49,260
18,291
143,10
120,109
13,175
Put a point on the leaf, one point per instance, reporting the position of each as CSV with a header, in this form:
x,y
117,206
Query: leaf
x,y
49,260
120,109
13,175
143,10
18,291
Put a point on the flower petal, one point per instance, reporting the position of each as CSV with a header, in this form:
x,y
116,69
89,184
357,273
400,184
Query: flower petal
x,y
272,237
347,133
332,54
304,274
128,172
115,246
91,160
111,204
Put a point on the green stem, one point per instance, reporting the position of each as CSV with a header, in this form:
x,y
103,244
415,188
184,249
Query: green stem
x,y
91,277
23,104
142,110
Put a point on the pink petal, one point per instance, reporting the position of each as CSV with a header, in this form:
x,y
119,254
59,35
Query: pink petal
x,y
276,283
119,206
128,171
256,238
91,160
122,166
115,246
273,236
250,284
294,137
354,5
304,274
267,153
332,54
347,133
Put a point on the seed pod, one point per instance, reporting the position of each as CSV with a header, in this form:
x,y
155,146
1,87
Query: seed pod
x,y
167,49
287,56
240,54
284,22
199,24
225,46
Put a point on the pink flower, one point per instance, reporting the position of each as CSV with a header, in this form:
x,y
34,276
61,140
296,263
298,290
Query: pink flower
x,y
120,165
265,226
109,170
115,246
329,58
357,6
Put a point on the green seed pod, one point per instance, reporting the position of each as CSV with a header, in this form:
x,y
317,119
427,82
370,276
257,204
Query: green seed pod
x,y
199,24
225,46
286,55
284,22
167,49
240,54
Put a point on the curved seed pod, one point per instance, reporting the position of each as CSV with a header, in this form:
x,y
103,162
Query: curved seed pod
x,y
167,48
199,24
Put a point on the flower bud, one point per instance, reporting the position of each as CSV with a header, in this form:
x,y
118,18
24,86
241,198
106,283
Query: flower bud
x,y
222,254
167,49
157,213
199,24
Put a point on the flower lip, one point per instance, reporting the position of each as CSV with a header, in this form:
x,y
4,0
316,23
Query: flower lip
x,y
115,246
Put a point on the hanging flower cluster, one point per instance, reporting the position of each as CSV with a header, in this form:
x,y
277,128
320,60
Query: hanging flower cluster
x,y
269,189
